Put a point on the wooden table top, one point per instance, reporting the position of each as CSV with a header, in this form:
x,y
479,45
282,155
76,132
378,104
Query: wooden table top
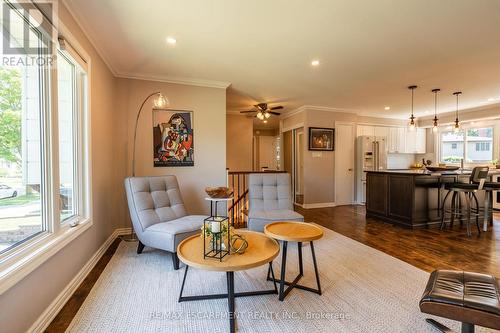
x,y
261,250
293,231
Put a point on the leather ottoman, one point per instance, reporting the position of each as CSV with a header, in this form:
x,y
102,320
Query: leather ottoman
x,y
472,298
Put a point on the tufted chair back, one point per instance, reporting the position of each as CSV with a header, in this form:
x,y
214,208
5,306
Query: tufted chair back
x,y
153,200
269,191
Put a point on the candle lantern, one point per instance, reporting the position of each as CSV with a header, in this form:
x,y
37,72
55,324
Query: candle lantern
x,y
216,233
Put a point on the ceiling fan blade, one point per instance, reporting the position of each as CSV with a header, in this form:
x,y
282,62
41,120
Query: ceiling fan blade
x,y
275,113
249,111
277,107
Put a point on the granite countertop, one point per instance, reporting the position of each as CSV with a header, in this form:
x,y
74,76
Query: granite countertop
x,y
423,172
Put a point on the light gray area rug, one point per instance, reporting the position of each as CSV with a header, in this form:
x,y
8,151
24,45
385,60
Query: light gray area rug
x,y
364,290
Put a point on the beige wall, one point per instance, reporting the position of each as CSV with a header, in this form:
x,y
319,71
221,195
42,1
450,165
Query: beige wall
x,y
22,304
319,169
113,106
239,137
209,126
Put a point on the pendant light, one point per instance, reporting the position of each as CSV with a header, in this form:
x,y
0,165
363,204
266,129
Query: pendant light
x,y
435,121
412,117
456,128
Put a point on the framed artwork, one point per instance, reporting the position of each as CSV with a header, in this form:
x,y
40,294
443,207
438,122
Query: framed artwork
x,y
321,139
173,138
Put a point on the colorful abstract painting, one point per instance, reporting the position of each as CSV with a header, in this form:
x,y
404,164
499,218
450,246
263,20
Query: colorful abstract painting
x,y
173,138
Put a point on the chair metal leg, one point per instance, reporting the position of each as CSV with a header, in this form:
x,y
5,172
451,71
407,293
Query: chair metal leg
x,y
140,247
175,260
453,208
439,326
477,212
467,207
467,328
443,209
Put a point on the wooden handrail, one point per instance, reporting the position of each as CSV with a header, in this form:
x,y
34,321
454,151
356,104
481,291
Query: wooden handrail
x,y
249,172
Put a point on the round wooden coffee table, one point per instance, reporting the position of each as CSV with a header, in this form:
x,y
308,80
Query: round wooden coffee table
x,y
261,250
299,232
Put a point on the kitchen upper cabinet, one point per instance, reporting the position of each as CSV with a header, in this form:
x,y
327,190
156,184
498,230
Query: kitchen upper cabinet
x,y
364,130
382,132
416,141
397,140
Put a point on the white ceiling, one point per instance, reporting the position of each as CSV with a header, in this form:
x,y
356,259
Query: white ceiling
x,y
369,51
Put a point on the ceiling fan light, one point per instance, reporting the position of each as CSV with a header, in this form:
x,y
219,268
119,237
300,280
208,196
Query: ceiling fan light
x,y
267,115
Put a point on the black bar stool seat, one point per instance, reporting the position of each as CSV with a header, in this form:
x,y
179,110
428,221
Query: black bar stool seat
x,y
468,191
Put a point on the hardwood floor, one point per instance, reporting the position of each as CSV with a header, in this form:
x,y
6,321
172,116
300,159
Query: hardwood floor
x,y
69,310
427,249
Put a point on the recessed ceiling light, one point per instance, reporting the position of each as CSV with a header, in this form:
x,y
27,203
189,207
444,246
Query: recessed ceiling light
x,y
315,63
387,108
171,40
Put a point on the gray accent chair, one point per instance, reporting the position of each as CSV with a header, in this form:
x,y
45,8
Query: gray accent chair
x,y
158,214
270,199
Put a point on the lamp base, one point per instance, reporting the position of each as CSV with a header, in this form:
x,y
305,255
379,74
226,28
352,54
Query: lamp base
x,y
129,238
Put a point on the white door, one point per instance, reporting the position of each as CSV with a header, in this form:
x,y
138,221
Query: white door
x,y
344,163
267,157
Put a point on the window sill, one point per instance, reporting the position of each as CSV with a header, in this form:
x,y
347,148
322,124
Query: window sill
x,y
21,262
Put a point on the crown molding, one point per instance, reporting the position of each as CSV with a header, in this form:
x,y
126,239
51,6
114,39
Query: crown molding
x,y
330,109
78,21
463,112
137,76
176,80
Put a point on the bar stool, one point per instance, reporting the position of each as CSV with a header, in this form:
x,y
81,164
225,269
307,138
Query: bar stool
x,y
468,190
489,187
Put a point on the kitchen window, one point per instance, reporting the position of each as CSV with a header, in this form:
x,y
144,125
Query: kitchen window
x,y
44,148
474,145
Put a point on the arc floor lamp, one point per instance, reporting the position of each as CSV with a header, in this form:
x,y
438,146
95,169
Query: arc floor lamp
x,y
159,102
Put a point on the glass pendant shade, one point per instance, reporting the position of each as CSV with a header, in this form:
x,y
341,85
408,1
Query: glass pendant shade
x,y
160,101
267,115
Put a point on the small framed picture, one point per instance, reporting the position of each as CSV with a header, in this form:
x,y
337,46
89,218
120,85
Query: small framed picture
x,y
321,138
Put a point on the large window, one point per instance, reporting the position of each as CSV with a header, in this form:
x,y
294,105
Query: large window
x,y
42,131
474,145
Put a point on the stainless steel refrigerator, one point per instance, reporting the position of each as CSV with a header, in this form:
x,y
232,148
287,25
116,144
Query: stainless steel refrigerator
x,y
371,155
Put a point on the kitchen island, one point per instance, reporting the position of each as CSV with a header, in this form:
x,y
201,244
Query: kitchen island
x,y
411,198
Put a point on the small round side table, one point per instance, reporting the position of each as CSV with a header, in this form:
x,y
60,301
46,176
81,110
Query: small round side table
x,y
299,232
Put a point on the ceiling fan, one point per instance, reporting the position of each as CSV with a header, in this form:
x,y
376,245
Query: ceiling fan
x,y
263,112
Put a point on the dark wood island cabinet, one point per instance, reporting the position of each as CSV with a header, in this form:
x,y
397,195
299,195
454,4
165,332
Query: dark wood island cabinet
x,y
406,197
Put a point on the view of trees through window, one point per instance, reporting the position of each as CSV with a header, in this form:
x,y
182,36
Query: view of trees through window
x,y
474,145
20,168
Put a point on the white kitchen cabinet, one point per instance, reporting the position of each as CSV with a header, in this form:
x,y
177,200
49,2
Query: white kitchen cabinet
x,y
365,130
381,132
415,141
397,140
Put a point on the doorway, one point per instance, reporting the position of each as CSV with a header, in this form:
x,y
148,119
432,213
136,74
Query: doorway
x,y
344,163
298,150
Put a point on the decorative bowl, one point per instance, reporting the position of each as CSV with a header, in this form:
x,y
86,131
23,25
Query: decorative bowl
x,y
219,192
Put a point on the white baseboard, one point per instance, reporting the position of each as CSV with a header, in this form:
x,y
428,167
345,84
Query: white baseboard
x,y
53,309
319,205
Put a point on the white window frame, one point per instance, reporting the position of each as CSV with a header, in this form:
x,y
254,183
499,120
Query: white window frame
x,y
464,127
21,260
